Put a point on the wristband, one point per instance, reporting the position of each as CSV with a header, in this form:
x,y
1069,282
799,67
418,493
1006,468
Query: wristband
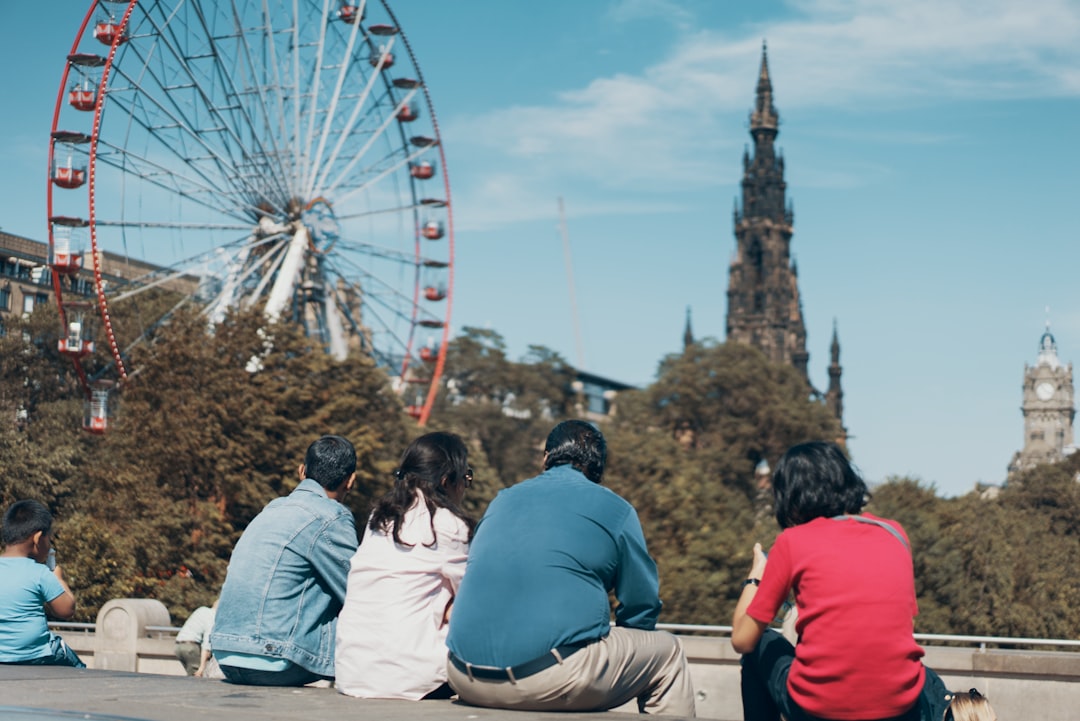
x,y
751,582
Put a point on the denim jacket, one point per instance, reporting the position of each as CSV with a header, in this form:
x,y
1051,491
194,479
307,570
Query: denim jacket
x,y
286,581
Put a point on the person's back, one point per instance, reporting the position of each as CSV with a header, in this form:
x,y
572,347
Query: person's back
x,y
531,625
391,634
550,547
856,658
285,583
28,587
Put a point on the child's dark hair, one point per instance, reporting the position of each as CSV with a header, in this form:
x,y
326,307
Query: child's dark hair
x,y
433,464
25,518
815,480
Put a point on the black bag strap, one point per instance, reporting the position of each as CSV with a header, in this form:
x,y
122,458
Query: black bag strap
x,y
876,522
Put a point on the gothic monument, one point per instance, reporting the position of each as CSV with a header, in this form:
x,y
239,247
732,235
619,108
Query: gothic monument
x,y
764,309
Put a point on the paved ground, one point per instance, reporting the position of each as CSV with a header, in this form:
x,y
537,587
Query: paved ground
x,y
27,691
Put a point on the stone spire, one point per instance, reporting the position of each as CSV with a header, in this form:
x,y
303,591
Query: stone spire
x,y
764,308
834,396
688,334
764,116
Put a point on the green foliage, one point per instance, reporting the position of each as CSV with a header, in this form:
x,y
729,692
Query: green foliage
x,y
684,450
504,409
198,447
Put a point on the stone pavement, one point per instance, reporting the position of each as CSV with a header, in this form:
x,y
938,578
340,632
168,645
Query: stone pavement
x,y
91,695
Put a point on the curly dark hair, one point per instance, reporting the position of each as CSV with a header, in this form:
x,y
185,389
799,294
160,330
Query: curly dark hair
x,y
433,465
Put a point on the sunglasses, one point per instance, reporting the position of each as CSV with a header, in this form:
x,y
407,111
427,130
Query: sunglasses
x,y
468,476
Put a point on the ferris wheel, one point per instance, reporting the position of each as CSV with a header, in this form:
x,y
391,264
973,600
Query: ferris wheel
x,y
281,154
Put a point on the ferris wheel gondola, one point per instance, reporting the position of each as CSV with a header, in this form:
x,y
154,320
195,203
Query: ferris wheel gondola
x,y
233,153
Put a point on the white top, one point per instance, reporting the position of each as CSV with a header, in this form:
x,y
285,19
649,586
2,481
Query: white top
x,y
391,639
198,627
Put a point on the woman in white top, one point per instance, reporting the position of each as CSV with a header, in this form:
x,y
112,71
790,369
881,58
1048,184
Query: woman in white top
x,y
391,634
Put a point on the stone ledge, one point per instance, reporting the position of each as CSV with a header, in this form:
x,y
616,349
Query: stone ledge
x,y
181,698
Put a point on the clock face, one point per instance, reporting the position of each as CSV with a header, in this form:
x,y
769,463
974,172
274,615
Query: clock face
x,y
1044,391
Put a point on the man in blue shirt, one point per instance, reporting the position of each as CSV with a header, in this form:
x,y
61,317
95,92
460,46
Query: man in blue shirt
x,y
277,613
531,625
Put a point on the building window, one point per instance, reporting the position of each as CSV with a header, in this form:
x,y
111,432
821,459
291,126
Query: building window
x,y
28,304
41,299
5,298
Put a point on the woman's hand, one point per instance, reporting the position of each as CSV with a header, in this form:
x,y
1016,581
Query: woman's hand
x,y
746,631
757,569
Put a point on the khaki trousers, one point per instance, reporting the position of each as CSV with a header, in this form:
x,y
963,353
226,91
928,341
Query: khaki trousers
x,y
629,664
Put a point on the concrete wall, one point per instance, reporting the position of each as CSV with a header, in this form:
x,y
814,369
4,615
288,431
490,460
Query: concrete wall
x,y
1021,685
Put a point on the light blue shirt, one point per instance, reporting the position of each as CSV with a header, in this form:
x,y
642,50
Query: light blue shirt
x,y
25,587
545,555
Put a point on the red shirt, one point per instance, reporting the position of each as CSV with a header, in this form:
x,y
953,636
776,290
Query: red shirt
x,y
855,591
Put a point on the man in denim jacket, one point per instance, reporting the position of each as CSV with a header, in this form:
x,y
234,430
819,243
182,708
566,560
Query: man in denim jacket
x,y
278,610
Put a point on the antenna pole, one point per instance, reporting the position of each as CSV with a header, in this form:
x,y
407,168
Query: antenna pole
x,y
579,346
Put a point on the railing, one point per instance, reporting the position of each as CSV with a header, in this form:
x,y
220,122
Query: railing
x,y
928,638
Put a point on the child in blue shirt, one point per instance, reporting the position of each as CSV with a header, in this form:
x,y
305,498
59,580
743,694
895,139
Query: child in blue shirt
x,y
29,588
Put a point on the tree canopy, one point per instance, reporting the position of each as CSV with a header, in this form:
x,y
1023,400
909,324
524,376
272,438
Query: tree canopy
x,y
200,445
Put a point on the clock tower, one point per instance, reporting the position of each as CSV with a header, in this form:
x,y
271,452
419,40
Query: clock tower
x,y
1048,409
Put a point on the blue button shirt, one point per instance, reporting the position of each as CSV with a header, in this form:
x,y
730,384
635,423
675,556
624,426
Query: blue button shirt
x,y
545,555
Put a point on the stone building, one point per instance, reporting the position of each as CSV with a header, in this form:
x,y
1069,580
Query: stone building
x,y
764,308
1048,409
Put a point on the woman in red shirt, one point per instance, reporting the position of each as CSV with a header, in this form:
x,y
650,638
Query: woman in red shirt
x,y
854,588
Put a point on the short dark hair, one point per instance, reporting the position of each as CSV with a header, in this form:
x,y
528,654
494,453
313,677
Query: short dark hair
x,y
25,518
579,444
427,461
330,461
816,480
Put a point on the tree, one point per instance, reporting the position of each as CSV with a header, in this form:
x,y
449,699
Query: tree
x,y
683,452
201,444
503,408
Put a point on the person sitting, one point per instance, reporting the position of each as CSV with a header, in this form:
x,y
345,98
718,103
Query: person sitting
x,y
854,585
391,634
285,584
193,641
29,589
531,625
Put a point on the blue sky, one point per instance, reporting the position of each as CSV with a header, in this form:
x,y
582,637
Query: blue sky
x,y
931,156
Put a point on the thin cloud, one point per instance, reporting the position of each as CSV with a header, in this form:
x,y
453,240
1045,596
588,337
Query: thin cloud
x,y
664,128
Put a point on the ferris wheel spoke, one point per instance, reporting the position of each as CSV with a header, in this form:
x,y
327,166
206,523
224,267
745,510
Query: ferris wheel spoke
x,y
358,106
272,263
375,136
408,258
193,187
174,136
219,255
233,114
288,162
335,97
311,118
382,211
368,182
184,78
389,297
256,130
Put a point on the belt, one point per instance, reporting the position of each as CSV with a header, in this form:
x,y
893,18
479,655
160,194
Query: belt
x,y
522,670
